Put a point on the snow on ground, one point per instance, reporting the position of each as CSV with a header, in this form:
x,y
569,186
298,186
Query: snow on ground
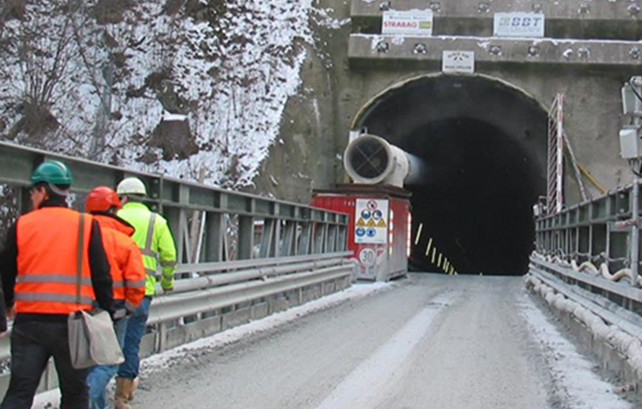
x,y
574,381
372,380
166,359
158,362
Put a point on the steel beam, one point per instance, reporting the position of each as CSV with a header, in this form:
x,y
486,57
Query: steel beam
x,y
367,51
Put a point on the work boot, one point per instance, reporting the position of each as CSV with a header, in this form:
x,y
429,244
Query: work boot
x,y
133,388
124,389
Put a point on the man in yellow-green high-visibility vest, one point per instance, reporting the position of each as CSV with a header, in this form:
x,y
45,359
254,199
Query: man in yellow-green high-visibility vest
x,y
159,253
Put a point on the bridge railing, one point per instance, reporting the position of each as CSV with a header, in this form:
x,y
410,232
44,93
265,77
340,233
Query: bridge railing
x,y
589,245
597,231
241,256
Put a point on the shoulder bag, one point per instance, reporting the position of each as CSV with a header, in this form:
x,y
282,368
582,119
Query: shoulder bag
x,y
92,339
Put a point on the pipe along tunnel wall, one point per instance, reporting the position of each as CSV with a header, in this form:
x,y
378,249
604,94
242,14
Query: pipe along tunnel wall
x,y
483,143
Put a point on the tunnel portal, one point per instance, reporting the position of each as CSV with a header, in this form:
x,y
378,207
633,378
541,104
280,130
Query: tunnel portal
x,y
484,145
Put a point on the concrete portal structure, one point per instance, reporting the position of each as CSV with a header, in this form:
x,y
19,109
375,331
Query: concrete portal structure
x,y
485,133
484,143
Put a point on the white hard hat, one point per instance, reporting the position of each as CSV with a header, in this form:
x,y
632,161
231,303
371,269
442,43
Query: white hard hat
x,y
131,186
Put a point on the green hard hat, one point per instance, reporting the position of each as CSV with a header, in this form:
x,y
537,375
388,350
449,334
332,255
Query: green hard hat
x,y
52,171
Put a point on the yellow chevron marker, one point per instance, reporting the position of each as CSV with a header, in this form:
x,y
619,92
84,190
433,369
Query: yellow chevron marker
x,y
439,262
418,236
428,246
434,250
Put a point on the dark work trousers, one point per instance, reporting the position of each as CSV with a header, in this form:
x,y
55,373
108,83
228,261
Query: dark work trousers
x,y
32,343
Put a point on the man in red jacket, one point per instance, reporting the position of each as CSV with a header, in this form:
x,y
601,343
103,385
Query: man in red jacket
x,y
39,267
128,274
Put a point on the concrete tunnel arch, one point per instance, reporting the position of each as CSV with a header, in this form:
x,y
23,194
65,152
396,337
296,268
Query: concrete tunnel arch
x,y
484,142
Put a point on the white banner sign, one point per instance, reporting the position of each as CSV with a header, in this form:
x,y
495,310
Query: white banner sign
x,y
458,61
413,23
371,221
518,25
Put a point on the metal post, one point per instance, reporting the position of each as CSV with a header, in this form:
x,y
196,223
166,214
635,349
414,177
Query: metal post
x,y
635,229
636,82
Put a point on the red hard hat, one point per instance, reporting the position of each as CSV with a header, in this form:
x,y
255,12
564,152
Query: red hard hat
x,y
102,199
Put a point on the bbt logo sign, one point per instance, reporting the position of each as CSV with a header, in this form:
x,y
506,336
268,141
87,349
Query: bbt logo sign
x,y
518,25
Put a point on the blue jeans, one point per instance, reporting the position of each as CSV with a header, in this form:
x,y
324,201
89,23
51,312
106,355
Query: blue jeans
x,y
32,343
135,331
100,375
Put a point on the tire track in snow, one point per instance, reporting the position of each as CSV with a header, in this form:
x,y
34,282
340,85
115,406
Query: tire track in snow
x,y
367,384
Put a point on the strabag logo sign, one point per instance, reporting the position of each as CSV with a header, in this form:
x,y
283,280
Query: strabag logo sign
x,y
415,23
458,61
518,25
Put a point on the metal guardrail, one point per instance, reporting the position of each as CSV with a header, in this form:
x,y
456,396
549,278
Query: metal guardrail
x,y
209,224
597,231
611,312
623,293
589,247
243,258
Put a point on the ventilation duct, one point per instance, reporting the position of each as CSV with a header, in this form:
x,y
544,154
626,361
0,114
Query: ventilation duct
x,y
370,159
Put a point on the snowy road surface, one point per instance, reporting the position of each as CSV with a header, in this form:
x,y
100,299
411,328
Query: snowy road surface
x,y
427,342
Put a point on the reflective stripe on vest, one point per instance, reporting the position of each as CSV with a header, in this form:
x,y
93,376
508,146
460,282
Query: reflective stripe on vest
x,y
128,284
149,240
134,284
51,278
54,297
129,306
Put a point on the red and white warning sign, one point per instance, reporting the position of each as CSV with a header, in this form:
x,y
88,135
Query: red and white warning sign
x,y
371,217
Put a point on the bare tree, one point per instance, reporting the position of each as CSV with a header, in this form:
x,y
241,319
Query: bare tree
x,y
38,56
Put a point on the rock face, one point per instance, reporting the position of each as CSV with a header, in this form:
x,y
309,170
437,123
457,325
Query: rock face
x,y
99,78
174,138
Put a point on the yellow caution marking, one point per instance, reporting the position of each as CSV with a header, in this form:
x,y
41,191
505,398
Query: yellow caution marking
x,y
591,178
428,246
382,223
361,222
418,236
371,223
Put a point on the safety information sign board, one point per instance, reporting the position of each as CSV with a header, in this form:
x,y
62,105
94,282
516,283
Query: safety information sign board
x,y
414,23
518,25
371,221
458,61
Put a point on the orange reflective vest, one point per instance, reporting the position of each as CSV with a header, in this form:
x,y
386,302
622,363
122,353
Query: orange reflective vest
x,y
126,262
47,241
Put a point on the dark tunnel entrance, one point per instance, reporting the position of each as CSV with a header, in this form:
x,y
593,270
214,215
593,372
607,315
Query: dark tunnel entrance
x,y
484,145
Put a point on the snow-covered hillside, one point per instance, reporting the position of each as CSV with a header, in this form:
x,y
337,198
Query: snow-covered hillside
x,y
188,88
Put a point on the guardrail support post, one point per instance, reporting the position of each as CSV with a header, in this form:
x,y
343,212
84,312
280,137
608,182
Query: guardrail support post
x,y
214,230
635,228
287,245
268,237
161,341
306,238
246,237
